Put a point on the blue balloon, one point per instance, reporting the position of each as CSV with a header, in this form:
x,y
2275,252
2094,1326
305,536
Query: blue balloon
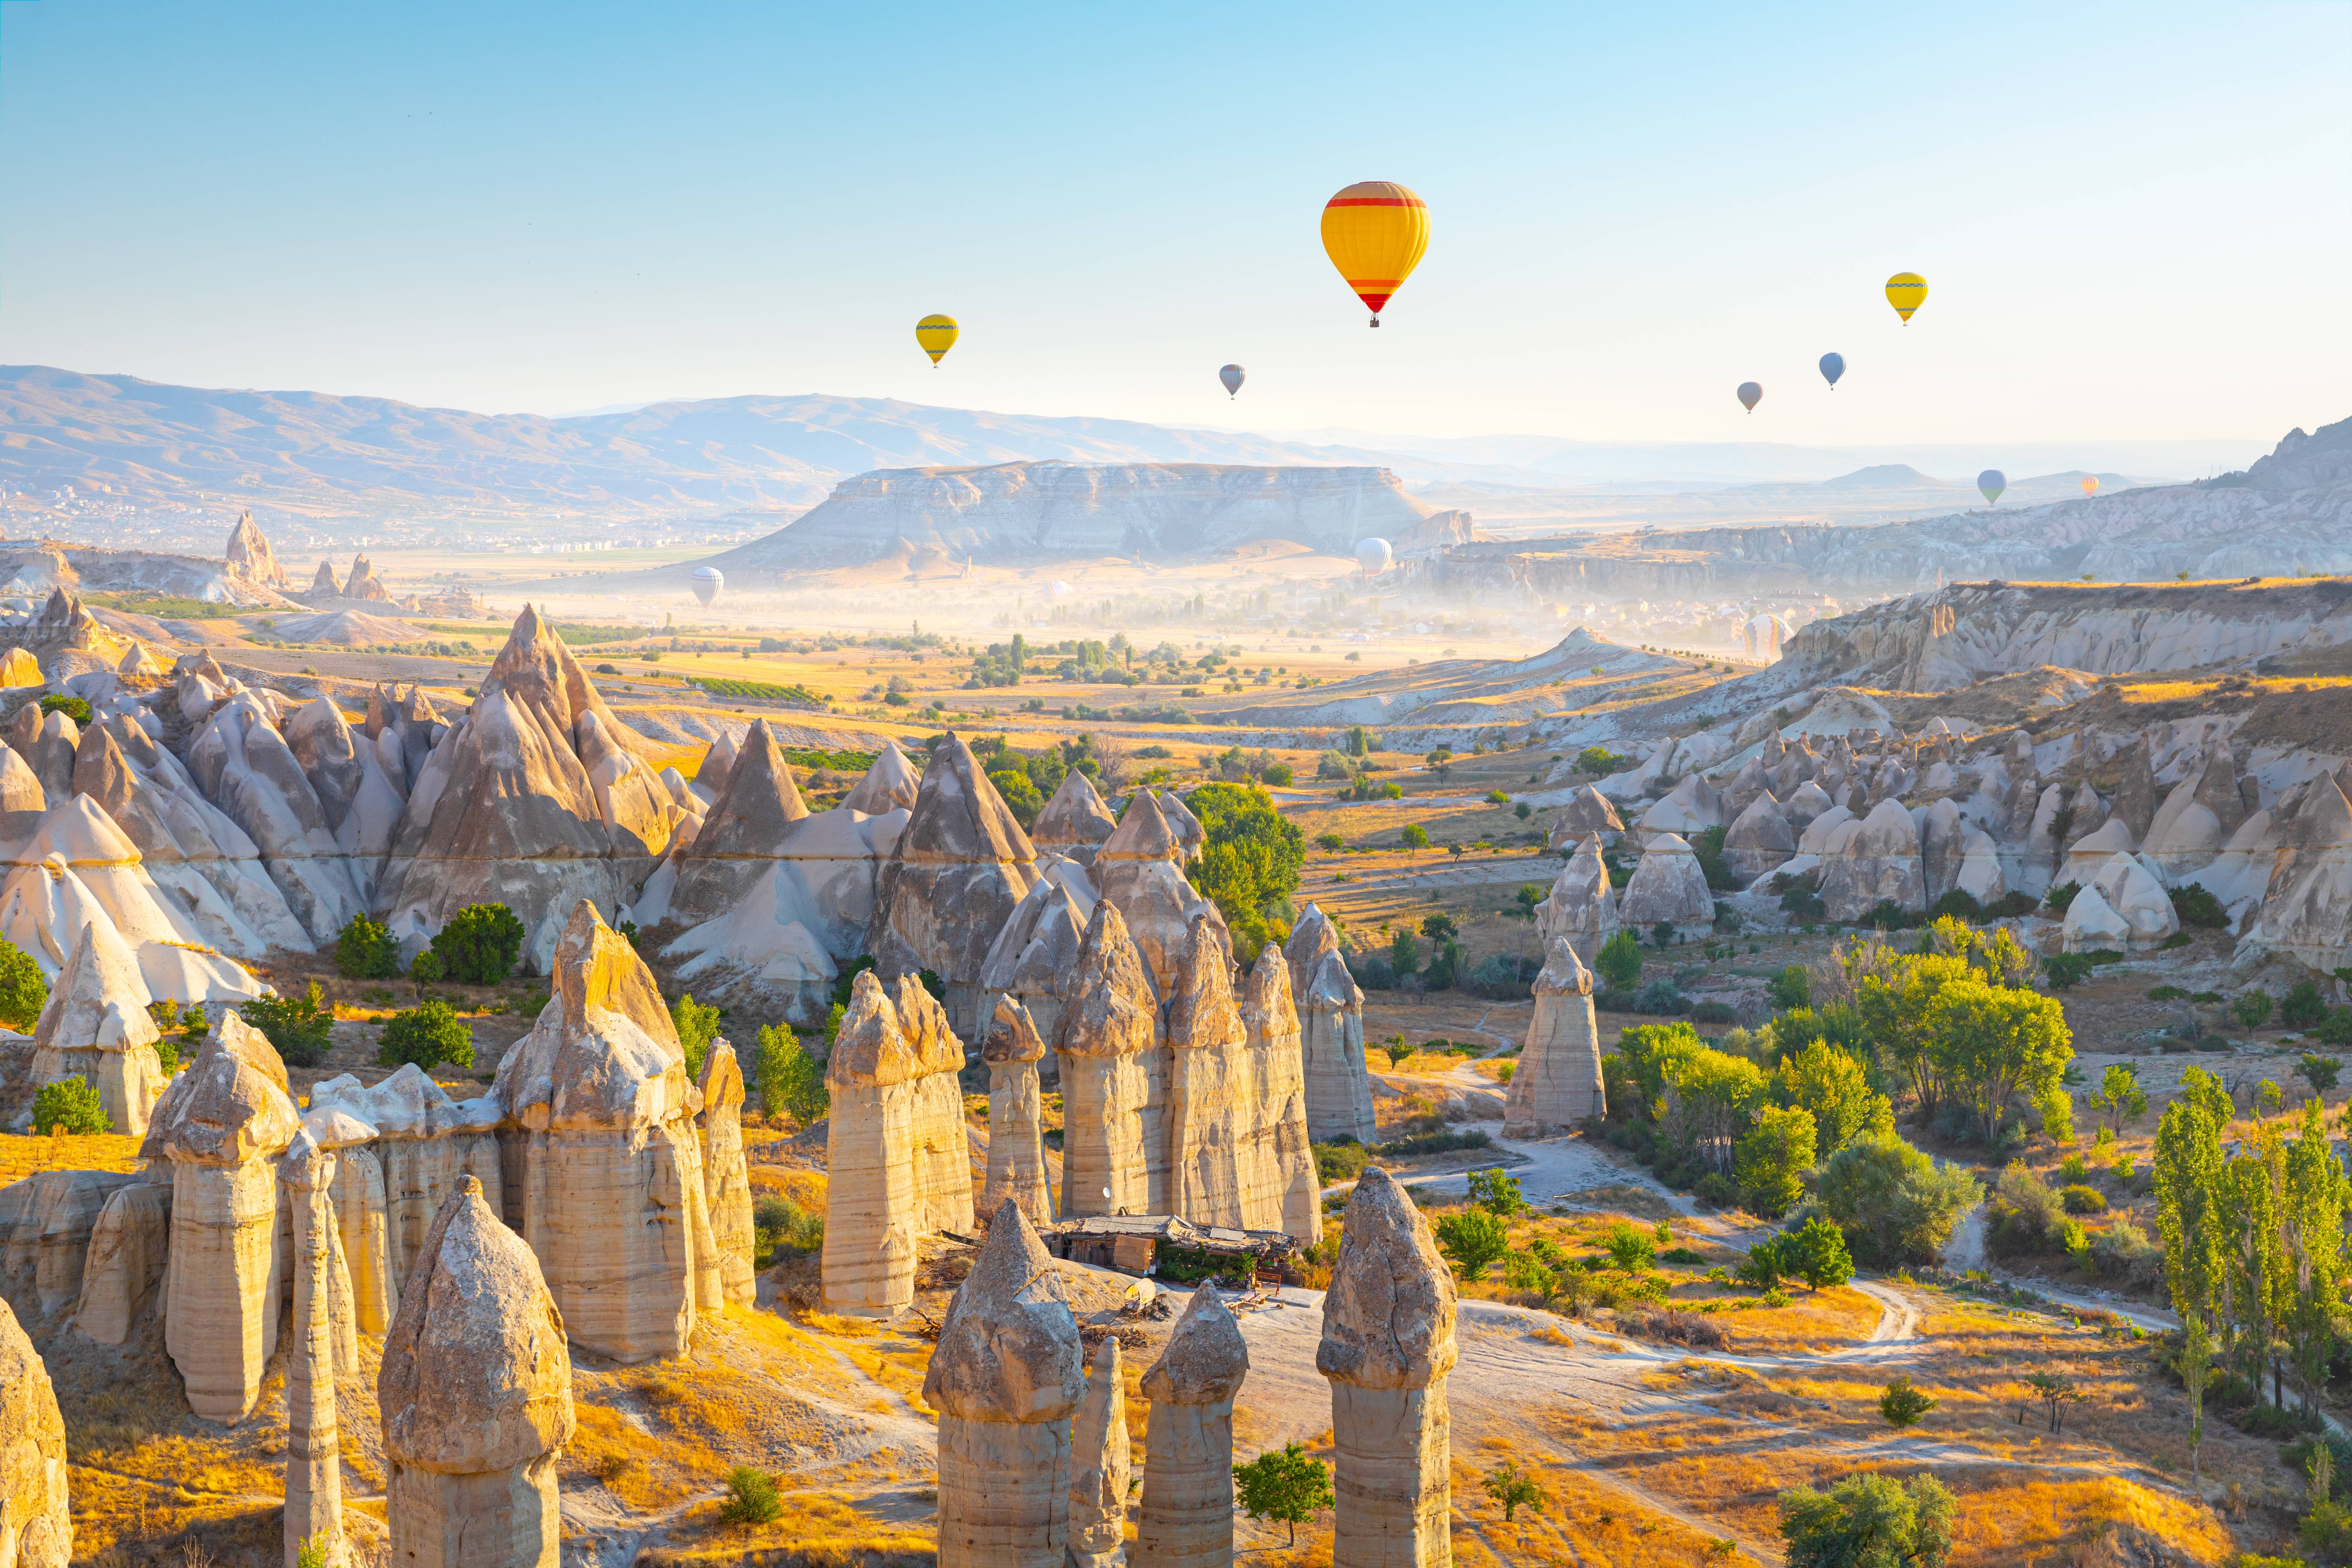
x,y
1833,367
1992,481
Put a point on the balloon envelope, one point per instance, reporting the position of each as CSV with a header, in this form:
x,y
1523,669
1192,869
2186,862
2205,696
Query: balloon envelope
x,y
1906,292
1374,232
1232,375
706,582
1833,367
1992,481
1373,555
937,334
2090,484
1751,394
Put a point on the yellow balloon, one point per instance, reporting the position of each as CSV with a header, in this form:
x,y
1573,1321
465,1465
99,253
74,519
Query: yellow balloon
x,y
2090,484
1375,232
937,334
1906,292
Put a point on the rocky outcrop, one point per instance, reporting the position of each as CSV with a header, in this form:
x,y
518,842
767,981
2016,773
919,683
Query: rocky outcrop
x,y
941,1146
1100,1464
1690,810
1558,1082
1760,841
1278,1054
314,1495
1109,1025
1667,887
1187,1514
1387,1347
246,767
1332,1026
249,556
1035,956
1075,822
1584,813
1582,906
2132,905
891,783
1218,1161
476,1396
726,1180
956,872
1877,863
48,1221
870,1216
1016,1153
360,792
1004,1378
363,584
1139,867
604,1167
35,1518
124,1261
322,582
96,1027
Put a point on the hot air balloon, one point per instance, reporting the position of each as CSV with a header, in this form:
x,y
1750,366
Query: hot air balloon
x,y
2090,484
1992,481
1373,555
1751,394
1374,232
1232,375
1906,292
706,582
1833,367
937,334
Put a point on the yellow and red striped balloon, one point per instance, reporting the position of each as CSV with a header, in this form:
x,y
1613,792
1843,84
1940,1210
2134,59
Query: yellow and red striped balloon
x,y
1375,232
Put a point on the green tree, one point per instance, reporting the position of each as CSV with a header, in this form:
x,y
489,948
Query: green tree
x,y
427,1035
1285,1485
1997,1043
1834,1086
696,1026
1599,761
1413,837
1474,1239
1628,1248
1509,1486
1792,988
299,1027
364,950
2056,1391
2251,1009
1250,859
2319,1071
1902,1405
2120,1096
2195,1364
71,1105
1897,1008
1620,960
24,992
1404,954
1816,1253
751,1498
481,944
1711,1096
2187,1174
1496,1191
2312,1213
1020,795
1895,1204
1869,1521
1652,1053
1767,1263
792,1082
1771,1158
426,967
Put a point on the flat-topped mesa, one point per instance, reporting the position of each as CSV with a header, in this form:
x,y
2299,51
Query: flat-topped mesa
x,y
600,1146
1037,953
1075,821
1668,886
726,1178
1331,1023
1278,1054
1582,906
1110,1025
1017,1150
959,867
34,1510
221,1123
1187,1514
1558,1083
476,1396
1100,1465
1139,867
1387,1346
871,1207
891,783
96,1027
1004,1378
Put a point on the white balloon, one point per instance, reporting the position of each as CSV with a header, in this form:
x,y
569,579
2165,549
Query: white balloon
x,y
706,582
1373,555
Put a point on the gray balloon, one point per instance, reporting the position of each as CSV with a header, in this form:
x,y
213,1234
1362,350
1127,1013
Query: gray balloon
x,y
1232,375
1992,481
1751,394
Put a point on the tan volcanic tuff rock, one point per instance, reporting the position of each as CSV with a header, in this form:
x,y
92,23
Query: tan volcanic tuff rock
x,y
957,871
1109,1025
363,584
1558,1083
726,1180
755,808
314,1495
1217,1160
2136,896
1332,1026
1668,886
1037,953
124,1261
322,582
1016,1151
96,1027
1139,867
1388,1345
35,1516
1586,812
1075,822
1100,1464
20,788
359,793
48,1221
18,667
249,554
1190,834
1761,841
1187,1515
1805,803
245,766
1582,906
891,783
600,1129
221,1123
1004,1378
942,1148
870,1200
1270,1022
2197,818
475,1395
1878,863
1690,810
2301,900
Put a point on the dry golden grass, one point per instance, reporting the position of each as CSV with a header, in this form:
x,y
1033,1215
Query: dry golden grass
x,y
1812,1322
29,1156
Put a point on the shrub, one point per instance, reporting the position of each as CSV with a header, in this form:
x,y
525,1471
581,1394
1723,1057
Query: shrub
x,y
1902,1405
2064,971
1340,1162
298,1026
364,950
2336,1029
2080,1199
2302,1006
23,991
1660,996
426,967
1619,962
1957,904
2060,897
1714,1013
2165,994
751,1498
1895,1204
71,1104
1816,1253
74,708
2319,1071
2251,1009
427,1035
481,944
778,1222
697,1025
1474,1238
1630,1249
1792,988
1716,1191
2194,906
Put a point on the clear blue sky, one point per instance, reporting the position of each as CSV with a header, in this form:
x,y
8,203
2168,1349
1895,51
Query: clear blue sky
x,y
2136,220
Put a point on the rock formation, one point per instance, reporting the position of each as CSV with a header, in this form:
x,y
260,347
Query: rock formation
x,y
242,761
322,583
1016,1153
1187,1515
248,555
1388,1345
314,1494
1668,885
36,1519
1277,1053
603,1164
1004,1378
1218,1166
125,1260
1331,1026
1558,1082
726,1181
1139,867
1036,956
891,784
1109,1025
870,1199
1075,822
1581,907
48,1220
96,1027
363,584
1761,841
941,1147
1100,1464
1587,812
958,869
476,1396
1877,863
222,1123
